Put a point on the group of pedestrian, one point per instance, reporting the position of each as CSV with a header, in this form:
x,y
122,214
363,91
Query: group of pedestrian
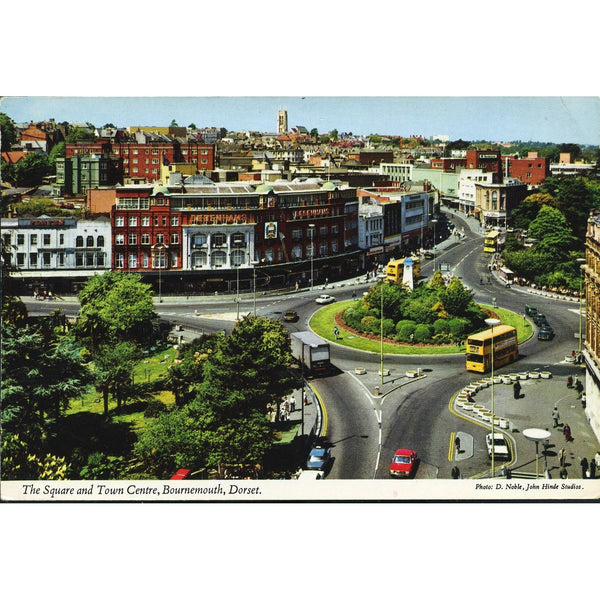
x,y
42,294
588,469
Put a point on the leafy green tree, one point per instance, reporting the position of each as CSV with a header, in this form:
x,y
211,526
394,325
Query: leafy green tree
x,y
455,297
20,463
115,307
40,376
58,151
258,352
30,171
555,236
79,134
8,132
175,440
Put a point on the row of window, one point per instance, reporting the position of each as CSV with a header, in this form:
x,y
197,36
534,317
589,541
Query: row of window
x,y
132,239
145,220
159,260
46,239
44,259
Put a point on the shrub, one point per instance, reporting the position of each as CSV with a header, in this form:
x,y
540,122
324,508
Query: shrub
x,y
441,326
154,408
459,327
404,330
388,327
422,333
370,324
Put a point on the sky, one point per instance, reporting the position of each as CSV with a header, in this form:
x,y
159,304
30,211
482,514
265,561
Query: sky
x,y
557,119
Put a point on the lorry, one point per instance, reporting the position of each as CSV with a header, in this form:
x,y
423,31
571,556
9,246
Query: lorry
x,y
311,351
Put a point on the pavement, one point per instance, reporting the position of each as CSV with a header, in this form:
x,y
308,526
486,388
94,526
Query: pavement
x,y
540,393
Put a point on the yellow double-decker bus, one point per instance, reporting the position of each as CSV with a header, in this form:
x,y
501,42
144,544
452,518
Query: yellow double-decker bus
x,y
479,348
395,269
491,241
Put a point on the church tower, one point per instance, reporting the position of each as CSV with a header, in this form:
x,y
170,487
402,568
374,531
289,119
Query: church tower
x,y
282,121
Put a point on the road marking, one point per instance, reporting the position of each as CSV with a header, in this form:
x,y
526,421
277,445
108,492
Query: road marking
x,y
451,447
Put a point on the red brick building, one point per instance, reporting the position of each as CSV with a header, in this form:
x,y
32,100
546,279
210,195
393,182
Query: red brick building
x,y
531,170
142,158
489,161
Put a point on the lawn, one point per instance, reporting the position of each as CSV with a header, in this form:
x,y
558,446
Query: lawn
x,y
323,322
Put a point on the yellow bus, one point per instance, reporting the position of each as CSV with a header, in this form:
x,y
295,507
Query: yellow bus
x,y
395,269
491,241
479,348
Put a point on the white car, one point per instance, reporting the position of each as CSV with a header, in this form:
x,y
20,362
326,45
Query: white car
x,y
501,449
325,299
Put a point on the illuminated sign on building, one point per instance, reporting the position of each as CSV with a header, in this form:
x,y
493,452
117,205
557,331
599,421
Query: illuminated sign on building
x,y
270,230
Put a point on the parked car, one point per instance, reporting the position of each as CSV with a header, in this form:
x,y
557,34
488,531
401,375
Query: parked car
x,y
325,299
318,458
428,255
501,449
290,315
546,333
403,463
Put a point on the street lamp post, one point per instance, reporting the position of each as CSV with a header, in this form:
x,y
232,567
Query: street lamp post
x,y
537,436
492,323
311,229
434,221
381,335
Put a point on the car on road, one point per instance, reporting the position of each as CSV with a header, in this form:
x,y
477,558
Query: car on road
x,y
403,463
530,311
318,458
540,319
546,333
428,255
290,315
325,299
501,449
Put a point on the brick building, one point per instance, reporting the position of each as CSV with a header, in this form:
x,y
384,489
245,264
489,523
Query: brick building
x,y
531,170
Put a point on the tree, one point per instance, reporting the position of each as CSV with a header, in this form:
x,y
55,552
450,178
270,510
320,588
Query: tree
x,y
258,352
528,209
8,132
455,298
30,171
40,376
78,134
58,151
173,123
554,234
115,307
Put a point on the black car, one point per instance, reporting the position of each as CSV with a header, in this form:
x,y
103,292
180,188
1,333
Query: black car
x,y
290,316
546,333
540,319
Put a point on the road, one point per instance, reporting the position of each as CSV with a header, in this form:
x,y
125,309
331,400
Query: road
x,y
365,429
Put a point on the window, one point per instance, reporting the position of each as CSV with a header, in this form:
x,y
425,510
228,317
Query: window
x,y
174,258
323,231
297,252
61,259
132,238
100,241
20,259
79,241
155,221
174,238
323,249
20,239
132,221
79,259
118,261
89,242
145,261
175,220
33,239
119,221
198,240
237,258
100,259
46,259
160,238
89,259
296,234
119,239
46,239
145,221
159,260
132,261
164,220
335,229
219,239
145,238
199,260
61,239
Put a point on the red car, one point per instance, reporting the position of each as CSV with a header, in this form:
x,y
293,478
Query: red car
x,y
403,463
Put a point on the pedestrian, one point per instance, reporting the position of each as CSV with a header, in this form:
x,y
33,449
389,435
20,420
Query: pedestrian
x,y
578,386
455,473
336,332
555,417
517,390
592,469
569,381
457,444
597,460
563,473
561,457
292,403
567,432
584,468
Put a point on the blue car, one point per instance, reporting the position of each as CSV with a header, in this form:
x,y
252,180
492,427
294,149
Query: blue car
x,y
318,458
